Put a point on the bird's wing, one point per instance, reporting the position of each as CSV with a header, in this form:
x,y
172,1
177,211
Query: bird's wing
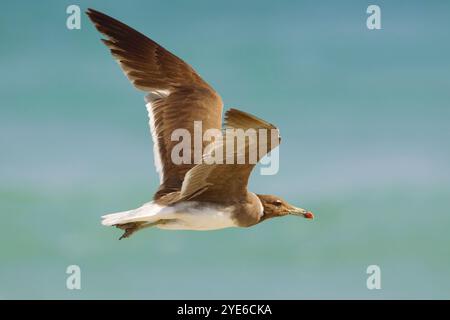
x,y
177,95
223,182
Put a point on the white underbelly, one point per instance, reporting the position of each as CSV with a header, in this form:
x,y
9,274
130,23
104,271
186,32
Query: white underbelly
x,y
188,218
199,222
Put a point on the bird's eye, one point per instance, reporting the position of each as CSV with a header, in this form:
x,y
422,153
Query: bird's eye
x,y
277,203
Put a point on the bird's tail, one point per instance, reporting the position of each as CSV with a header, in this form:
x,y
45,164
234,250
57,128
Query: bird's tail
x,y
117,218
145,213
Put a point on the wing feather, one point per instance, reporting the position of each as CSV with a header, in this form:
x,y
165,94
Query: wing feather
x,y
210,182
177,95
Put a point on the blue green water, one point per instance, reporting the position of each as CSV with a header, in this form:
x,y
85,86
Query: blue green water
x,y
364,117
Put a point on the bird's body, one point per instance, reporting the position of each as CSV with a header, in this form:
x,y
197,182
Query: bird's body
x,y
192,215
193,195
169,214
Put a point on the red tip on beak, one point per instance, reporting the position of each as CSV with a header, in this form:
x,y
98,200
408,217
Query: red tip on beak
x,y
309,215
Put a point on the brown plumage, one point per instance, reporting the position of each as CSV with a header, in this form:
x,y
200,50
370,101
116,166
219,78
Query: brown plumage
x,y
177,96
153,69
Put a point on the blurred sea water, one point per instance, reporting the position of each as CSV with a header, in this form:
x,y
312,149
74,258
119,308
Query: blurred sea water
x,y
364,116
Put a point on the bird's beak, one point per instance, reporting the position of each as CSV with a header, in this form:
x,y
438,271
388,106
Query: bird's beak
x,y
302,212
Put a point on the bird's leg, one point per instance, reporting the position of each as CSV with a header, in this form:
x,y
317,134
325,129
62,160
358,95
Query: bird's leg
x,y
132,227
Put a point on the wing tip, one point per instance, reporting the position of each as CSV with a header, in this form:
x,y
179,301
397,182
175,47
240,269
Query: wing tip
x,y
92,12
100,19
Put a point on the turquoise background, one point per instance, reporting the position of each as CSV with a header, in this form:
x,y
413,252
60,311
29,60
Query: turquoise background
x,y
364,117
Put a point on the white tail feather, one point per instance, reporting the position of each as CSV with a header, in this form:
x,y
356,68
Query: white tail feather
x,y
147,212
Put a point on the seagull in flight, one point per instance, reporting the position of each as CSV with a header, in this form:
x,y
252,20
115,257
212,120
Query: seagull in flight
x,y
202,196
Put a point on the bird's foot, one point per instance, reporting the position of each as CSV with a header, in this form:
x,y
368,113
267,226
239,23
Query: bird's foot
x,y
132,227
129,228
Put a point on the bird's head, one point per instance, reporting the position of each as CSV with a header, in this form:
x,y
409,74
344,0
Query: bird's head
x,y
277,207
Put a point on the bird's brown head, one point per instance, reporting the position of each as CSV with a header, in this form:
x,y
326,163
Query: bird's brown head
x,y
277,207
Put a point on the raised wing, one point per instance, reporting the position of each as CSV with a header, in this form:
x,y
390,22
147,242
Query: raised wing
x,y
210,182
177,96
